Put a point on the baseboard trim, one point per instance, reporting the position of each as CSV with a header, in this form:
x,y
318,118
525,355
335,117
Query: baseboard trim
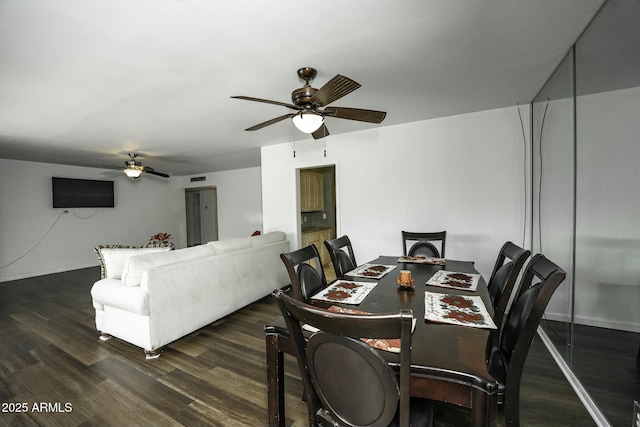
x,y
581,392
43,273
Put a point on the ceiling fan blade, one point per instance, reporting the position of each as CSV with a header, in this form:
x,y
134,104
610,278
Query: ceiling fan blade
x,y
321,132
370,116
266,101
270,122
334,89
114,171
153,172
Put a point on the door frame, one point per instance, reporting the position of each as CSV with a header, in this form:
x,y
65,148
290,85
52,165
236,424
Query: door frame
x,y
336,168
198,190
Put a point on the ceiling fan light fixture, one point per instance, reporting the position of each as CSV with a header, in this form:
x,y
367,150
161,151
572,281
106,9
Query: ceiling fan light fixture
x,y
307,122
133,171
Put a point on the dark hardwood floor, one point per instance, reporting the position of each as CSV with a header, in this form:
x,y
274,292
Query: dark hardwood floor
x,y
607,363
55,371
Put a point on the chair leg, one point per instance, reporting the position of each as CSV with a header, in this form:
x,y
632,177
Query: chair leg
x,y
512,408
152,354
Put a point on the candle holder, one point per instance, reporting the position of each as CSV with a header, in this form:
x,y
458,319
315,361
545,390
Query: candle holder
x,y
405,281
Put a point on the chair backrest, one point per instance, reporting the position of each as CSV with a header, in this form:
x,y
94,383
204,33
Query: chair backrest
x,y
424,246
341,253
344,378
506,361
306,279
510,261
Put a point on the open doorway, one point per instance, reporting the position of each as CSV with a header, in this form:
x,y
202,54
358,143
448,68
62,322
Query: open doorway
x,y
318,210
202,215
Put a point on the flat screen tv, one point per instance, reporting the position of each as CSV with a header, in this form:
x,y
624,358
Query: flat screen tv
x,y
82,193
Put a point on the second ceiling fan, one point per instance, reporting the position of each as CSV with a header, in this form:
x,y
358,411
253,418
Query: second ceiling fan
x,y
134,168
311,105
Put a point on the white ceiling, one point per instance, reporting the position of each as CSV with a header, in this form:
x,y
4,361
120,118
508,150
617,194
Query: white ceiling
x,y
83,82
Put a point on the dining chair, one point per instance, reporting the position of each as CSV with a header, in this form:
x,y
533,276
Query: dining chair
x,y
341,253
506,360
424,246
509,263
305,271
346,381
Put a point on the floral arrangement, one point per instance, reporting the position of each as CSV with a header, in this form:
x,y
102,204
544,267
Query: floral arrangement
x,y
160,238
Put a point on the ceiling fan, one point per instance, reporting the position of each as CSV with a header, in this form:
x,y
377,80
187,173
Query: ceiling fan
x,y
134,168
311,105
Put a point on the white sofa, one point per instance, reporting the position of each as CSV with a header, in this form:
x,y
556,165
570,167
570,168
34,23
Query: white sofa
x,y
150,297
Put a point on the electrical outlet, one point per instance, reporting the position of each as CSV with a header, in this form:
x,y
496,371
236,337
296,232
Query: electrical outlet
x,y
304,219
324,215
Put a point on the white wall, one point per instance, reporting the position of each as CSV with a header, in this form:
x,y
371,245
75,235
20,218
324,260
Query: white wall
x,y
607,236
608,210
239,200
463,174
145,207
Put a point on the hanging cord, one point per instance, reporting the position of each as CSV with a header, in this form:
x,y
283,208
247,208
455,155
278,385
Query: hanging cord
x,y
38,243
524,175
544,116
324,140
82,217
293,138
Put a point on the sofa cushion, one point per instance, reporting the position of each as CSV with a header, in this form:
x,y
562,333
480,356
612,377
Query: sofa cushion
x,y
231,245
266,239
113,257
112,293
138,264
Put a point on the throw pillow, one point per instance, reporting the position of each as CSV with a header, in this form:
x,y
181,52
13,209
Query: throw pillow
x,y
113,257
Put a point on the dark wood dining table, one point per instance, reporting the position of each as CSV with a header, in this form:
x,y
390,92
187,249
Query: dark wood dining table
x,y
448,362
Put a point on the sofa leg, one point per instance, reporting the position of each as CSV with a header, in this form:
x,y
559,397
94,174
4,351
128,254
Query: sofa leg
x,y
105,337
153,354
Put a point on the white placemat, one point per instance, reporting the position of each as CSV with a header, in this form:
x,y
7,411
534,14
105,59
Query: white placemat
x,y
371,271
455,280
460,310
345,292
419,259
